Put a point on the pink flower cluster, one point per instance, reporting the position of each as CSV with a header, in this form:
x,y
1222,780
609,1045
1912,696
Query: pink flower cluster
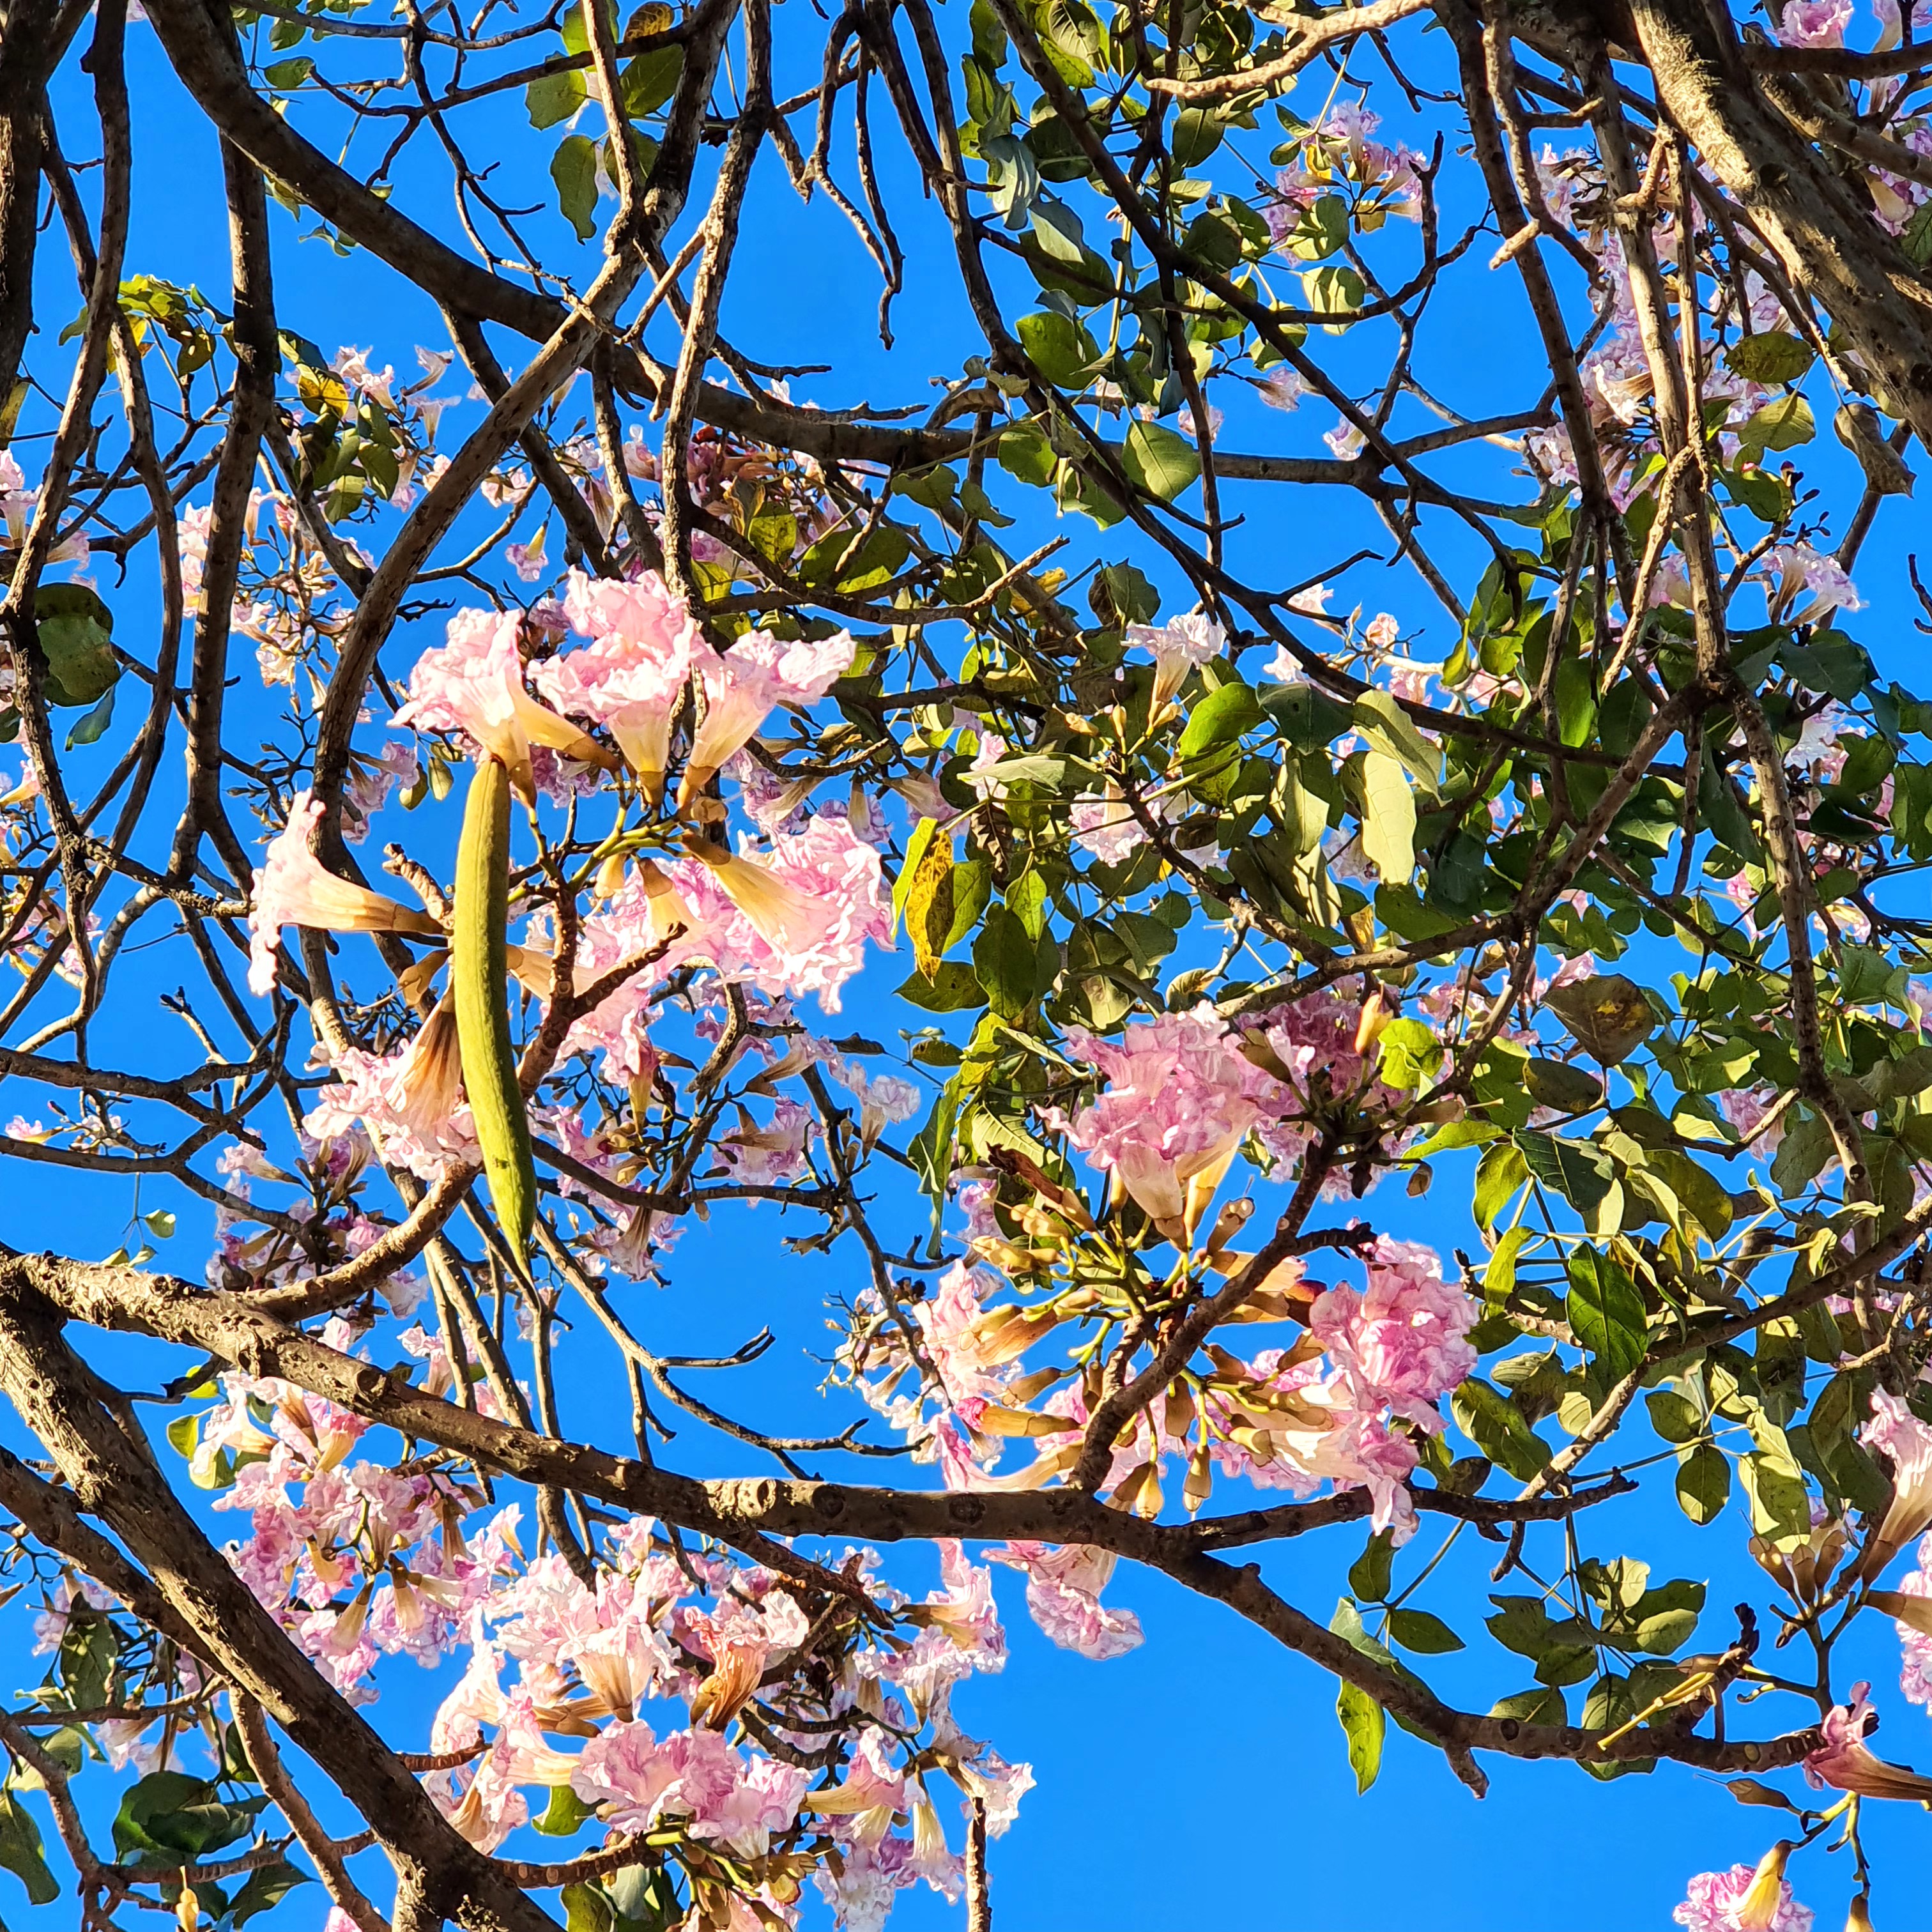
x,y
1183,1089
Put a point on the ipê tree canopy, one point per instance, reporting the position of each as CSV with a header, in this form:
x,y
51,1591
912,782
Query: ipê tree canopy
x,y
1281,863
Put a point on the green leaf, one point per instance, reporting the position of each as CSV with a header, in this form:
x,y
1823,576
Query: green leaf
x,y
1579,1173
1780,1507
20,1851
1003,957
1605,1311
1427,1636
90,725
586,1909
268,1885
1771,357
1333,289
1368,1574
1784,423
1555,1083
952,989
573,168
1060,349
554,97
1499,1276
288,74
1383,723
160,1224
1499,1174
1703,1194
565,1814
1161,462
76,633
1024,452
1388,818
1219,720
1363,1725
924,894
1606,1015
650,80
1496,1427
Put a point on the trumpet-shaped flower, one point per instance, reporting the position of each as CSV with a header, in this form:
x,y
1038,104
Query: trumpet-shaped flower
x,y
1907,1443
1842,1762
411,1101
1724,1902
742,687
636,1782
803,916
292,888
1063,1589
474,685
1402,1342
631,675
1179,646
1180,1096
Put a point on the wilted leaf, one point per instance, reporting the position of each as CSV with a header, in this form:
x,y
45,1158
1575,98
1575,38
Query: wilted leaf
x,y
1606,1015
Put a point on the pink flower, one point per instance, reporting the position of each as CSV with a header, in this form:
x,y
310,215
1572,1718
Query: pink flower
x,y
1915,1645
1180,1096
1401,1343
862,1805
1063,1589
1842,1762
1283,389
411,1101
1104,825
630,675
742,687
370,782
803,916
1718,1901
1815,23
473,685
292,888
1322,1045
1905,1443
1179,646
635,1782
1802,586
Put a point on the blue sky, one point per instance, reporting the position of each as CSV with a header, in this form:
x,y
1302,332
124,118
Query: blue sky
x,y
1202,1778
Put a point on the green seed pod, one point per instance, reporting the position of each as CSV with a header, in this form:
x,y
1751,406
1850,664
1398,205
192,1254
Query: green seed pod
x,y
478,975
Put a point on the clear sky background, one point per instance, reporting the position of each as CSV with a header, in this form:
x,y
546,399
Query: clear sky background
x,y
1200,1780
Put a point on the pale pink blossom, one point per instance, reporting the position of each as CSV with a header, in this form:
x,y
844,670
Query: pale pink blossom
x,y
1718,1898
636,1782
1064,1587
1841,1763
293,888
1104,825
1179,1097
1402,1342
630,675
1906,1444
1283,389
411,1100
741,688
1814,23
473,685
1180,645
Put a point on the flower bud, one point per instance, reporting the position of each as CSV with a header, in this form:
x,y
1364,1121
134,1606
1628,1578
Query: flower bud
x,y
1858,1919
